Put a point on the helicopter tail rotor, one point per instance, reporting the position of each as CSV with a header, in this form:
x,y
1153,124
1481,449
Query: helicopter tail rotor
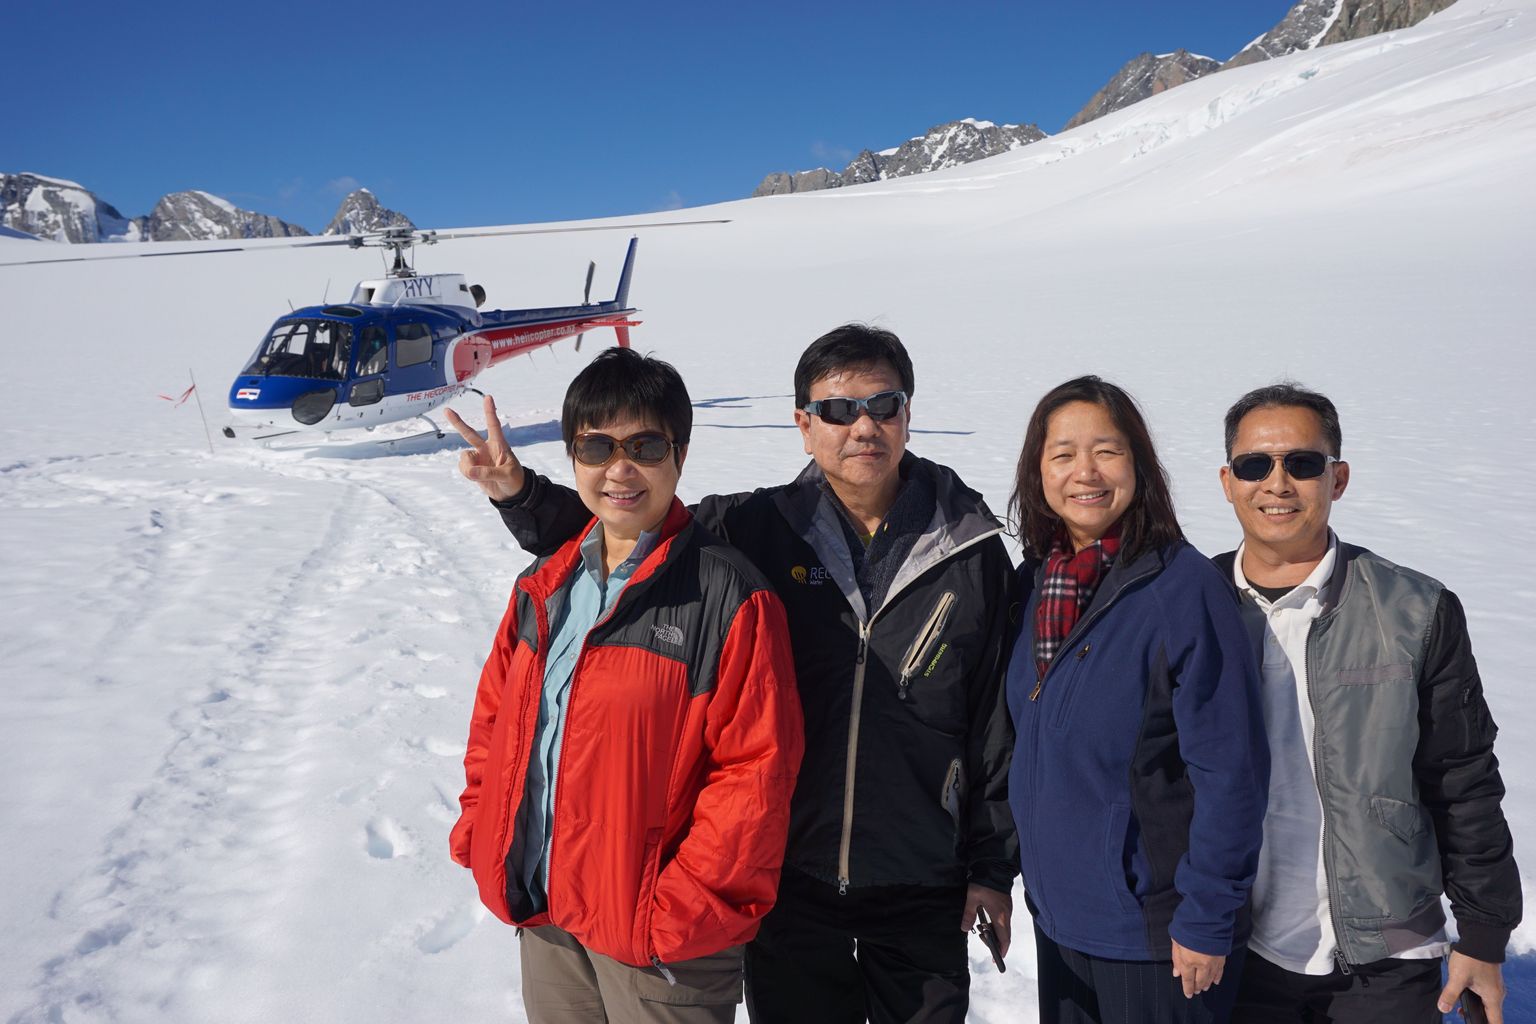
x,y
586,297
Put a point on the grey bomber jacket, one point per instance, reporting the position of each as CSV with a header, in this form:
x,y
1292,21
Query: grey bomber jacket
x,y
1404,763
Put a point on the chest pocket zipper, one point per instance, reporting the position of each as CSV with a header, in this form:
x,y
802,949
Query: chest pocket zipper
x,y
922,647
1073,687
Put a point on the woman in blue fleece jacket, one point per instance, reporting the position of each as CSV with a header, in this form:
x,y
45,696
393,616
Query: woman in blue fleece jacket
x,y
1140,768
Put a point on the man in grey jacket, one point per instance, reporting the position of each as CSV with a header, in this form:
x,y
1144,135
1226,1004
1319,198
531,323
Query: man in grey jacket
x,y
1384,790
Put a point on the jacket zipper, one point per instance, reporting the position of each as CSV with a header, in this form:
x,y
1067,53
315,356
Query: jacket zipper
x,y
1317,776
931,631
845,845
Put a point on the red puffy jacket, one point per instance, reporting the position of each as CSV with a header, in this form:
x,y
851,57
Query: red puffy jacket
x,y
682,739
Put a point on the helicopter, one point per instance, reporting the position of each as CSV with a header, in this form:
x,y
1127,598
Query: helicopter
x,y
402,345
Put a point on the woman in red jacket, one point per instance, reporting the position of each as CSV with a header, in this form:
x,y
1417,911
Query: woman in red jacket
x,y
636,733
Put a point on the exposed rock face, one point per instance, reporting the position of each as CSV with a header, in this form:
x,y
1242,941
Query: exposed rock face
x,y
1143,76
361,212
1313,23
196,216
61,210
945,145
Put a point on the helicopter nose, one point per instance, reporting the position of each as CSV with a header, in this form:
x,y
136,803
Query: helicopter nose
x,y
313,406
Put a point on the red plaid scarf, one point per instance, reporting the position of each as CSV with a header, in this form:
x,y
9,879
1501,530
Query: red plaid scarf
x,y
1069,585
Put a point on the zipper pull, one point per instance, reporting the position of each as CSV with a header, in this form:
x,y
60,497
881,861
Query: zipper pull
x,y
656,963
1084,652
1035,693
863,645
842,887
902,686
1338,955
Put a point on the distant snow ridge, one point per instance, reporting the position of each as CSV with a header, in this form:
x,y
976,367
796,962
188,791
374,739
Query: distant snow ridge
x,y
1314,23
61,210
360,212
945,145
1142,76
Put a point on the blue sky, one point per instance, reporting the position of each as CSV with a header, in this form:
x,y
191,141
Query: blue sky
x,y
480,113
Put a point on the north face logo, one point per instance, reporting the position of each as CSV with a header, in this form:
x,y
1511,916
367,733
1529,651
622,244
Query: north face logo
x,y
668,635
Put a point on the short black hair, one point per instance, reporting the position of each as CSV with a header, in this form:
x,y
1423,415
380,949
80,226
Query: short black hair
x,y
1287,394
851,347
1149,521
619,382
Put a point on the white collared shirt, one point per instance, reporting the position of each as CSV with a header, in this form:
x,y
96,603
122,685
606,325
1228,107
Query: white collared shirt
x,y
1291,922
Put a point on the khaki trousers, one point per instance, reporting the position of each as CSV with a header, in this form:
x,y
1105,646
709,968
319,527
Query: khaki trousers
x,y
566,983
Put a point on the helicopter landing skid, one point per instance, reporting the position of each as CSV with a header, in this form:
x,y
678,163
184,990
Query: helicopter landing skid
x,y
436,432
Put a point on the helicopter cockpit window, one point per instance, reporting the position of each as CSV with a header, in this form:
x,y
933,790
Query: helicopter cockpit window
x,y
304,348
413,344
372,352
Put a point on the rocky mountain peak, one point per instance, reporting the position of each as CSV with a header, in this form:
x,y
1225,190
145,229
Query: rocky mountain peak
x,y
1142,76
63,211
945,145
197,216
1313,23
361,211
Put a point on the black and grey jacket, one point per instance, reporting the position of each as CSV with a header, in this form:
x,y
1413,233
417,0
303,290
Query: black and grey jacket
x,y
1403,757
907,736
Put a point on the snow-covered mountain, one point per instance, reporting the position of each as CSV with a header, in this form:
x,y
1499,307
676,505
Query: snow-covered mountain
x,y
361,211
1144,75
945,145
64,211
197,216
1313,23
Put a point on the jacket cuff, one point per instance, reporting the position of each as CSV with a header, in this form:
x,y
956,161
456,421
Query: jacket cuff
x,y
994,874
1485,942
521,497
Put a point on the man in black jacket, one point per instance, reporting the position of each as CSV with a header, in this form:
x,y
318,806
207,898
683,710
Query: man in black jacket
x,y
1384,789
897,586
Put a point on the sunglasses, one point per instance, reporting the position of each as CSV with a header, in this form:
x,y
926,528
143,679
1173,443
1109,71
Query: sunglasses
x,y
647,448
842,412
1299,465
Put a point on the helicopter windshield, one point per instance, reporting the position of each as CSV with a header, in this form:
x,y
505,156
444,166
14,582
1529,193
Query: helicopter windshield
x,y
304,348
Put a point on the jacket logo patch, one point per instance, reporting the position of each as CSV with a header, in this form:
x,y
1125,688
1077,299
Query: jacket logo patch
x,y
813,576
668,635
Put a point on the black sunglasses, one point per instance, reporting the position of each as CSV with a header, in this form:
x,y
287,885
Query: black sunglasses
x,y
1303,464
842,412
644,449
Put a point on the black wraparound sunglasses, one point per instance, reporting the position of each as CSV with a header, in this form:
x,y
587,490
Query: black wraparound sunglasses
x,y
1303,464
647,448
842,412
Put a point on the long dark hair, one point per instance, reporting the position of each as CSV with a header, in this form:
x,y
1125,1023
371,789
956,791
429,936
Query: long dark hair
x,y
1148,523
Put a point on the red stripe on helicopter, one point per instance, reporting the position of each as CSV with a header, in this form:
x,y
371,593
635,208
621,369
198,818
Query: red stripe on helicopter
x,y
491,345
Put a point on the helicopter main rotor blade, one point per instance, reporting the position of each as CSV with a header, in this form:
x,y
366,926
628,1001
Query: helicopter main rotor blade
x,y
584,227
396,239
302,244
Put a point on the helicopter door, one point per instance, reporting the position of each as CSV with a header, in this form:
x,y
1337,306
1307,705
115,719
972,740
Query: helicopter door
x,y
372,364
415,369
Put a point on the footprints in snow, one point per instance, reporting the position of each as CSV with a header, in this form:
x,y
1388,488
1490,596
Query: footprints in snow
x,y
450,929
386,840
